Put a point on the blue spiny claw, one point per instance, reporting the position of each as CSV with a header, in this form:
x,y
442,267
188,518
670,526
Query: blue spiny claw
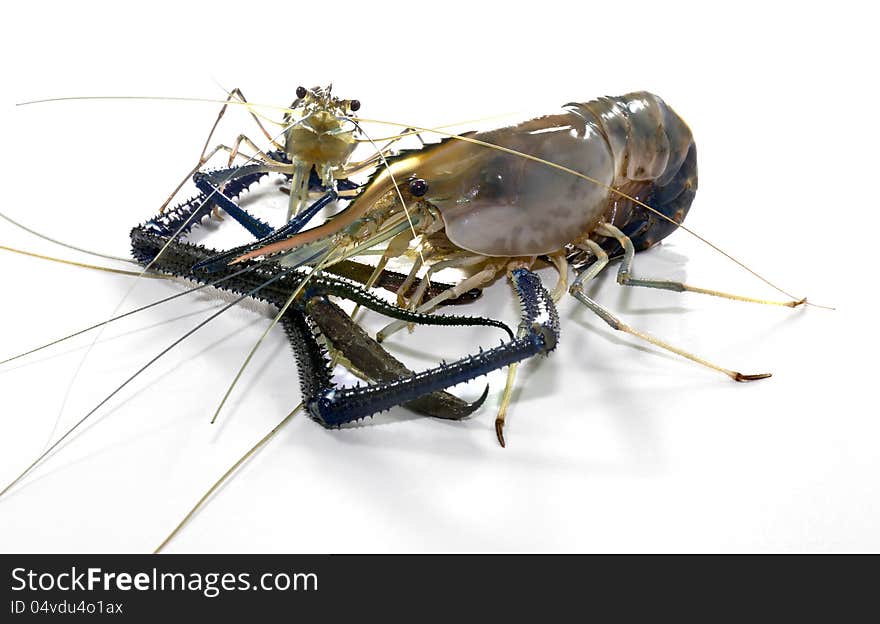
x,y
211,183
334,406
221,260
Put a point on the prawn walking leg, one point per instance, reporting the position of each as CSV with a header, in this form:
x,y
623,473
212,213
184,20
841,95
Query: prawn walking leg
x,y
625,277
478,280
234,95
577,291
505,398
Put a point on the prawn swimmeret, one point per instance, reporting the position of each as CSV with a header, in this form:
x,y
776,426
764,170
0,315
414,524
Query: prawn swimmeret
x,y
597,181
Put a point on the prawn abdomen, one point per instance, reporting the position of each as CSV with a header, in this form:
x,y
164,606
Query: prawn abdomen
x,y
500,203
655,162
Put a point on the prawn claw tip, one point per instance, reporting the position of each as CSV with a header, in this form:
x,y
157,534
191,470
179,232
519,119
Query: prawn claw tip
x,y
744,378
499,431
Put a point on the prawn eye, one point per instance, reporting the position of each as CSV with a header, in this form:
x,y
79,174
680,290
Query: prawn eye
x,y
355,105
418,187
300,92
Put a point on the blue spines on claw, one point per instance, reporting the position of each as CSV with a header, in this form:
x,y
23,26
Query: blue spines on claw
x,y
222,260
179,257
340,287
210,184
540,334
337,406
311,357
191,212
180,220
539,315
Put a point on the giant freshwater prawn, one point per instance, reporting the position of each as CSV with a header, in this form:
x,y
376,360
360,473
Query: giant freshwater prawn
x,y
600,180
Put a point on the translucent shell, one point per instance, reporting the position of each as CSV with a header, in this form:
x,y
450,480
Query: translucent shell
x,y
497,203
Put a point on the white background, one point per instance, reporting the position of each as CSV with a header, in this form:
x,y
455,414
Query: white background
x,y
612,445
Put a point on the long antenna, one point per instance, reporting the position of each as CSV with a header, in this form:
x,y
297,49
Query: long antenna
x,y
83,265
132,377
125,314
63,244
226,476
